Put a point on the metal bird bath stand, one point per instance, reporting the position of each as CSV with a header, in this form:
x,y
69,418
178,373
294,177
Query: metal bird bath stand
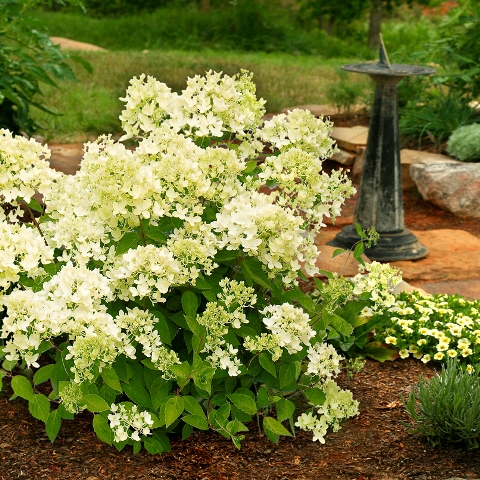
x,y
380,199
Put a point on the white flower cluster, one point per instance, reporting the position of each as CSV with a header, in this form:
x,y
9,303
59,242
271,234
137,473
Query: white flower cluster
x,y
380,281
323,361
302,187
209,106
339,405
127,421
24,169
144,272
218,316
290,330
22,250
139,326
267,231
299,129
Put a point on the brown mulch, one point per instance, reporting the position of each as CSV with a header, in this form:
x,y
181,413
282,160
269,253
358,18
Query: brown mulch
x,y
373,445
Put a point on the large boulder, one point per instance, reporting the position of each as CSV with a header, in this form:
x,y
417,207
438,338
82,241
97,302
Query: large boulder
x,y
454,187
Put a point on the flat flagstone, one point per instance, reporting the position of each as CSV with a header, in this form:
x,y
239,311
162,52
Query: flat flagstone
x,y
470,289
353,139
453,255
66,158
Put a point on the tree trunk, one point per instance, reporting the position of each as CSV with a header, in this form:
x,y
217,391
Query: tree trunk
x,y
375,24
205,6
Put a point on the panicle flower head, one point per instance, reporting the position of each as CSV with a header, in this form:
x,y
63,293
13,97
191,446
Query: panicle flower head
x,y
128,422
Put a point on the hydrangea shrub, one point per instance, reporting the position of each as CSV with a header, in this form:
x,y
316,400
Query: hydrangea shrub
x,y
157,287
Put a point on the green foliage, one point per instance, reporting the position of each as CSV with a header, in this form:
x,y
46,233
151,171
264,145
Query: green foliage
x,y
28,59
437,116
446,408
441,104
239,26
464,143
345,93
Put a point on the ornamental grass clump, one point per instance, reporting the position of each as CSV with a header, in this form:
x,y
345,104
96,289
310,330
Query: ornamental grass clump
x,y
157,287
433,328
446,408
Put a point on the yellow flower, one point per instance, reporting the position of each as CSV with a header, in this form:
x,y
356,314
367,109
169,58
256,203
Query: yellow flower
x,y
452,353
442,346
403,353
418,355
412,349
426,358
469,369
421,342
438,356
466,352
391,340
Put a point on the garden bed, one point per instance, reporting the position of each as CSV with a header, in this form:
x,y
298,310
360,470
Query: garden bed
x,y
373,445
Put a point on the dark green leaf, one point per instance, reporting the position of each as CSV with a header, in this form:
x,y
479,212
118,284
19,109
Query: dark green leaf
x,y
285,409
102,429
152,445
287,374
94,403
110,377
43,374
315,395
196,421
39,407
173,409
128,241
243,403
267,363
190,304
53,424
274,426
22,387
137,393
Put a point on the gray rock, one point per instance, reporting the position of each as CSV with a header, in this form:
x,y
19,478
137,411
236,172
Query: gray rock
x,y
454,187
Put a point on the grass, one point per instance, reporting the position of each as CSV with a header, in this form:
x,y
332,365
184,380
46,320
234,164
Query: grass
x,y
300,67
91,106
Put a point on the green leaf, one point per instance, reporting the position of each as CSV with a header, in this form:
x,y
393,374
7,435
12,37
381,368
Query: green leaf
x,y
158,391
226,256
196,421
193,407
187,430
358,251
274,426
190,304
360,232
253,269
337,252
102,429
262,397
152,446
110,377
267,363
53,424
39,407
128,241
181,372
338,323
137,393
285,409
43,374
35,206
156,234
315,395
287,374
173,409
22,387
379,351
243,403
94,403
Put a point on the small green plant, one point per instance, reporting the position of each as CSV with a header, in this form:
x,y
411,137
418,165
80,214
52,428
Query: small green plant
x,y
464,143
344,93
446,408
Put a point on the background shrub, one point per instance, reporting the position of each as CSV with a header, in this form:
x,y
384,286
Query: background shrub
x,y
464,143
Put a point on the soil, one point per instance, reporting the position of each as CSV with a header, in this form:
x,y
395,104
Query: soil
x,y
373,445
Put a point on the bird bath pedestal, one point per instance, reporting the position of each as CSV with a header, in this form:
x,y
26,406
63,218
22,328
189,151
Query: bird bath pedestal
x,y
380,199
